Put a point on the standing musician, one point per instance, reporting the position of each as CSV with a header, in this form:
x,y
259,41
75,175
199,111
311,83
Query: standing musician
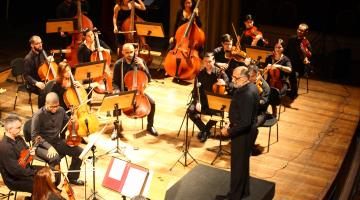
x,y
48,122
124,65
251,36
44,187
264,93
278,66
220,55
15,177
32,62
206,78
242,115
299,51
122,11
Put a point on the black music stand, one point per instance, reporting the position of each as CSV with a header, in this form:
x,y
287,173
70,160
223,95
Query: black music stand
x,y
221,103
258,54
3,77
60,25
91,146
149,29
116,102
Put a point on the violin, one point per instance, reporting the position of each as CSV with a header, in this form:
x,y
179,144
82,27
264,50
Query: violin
x,y
137,80
253,32
77,96
73,139
66,185
25,157
304,46
129,26
259,85
82,23
236,53
183,62
105,81
48,70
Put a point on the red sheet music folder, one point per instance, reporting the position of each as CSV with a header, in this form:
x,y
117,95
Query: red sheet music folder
x,y
127,178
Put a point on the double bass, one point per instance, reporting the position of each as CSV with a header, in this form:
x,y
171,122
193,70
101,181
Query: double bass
x,y
82,23
128,25
105,82
137,80
183,62
77,96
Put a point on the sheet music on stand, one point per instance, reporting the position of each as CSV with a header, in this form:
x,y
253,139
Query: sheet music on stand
x,y
89,70
60,25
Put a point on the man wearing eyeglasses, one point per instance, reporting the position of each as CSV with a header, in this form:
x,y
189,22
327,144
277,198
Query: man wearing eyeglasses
x,y
48,122
242,115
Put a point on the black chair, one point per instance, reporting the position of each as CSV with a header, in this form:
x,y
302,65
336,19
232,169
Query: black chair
x,y
17,71
306,76
11,192
271,120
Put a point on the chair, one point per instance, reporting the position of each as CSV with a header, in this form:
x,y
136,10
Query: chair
x,y
306,75
11,192
17,71
271,120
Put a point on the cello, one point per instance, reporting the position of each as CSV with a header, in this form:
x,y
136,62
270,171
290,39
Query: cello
x,y
48,70
82,23
183,62
137,80
105,82
77,96
128,25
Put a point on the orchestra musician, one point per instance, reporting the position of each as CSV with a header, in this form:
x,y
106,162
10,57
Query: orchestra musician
x,y
242,115
278,67
122,11
48,122
66,9
222,60
15,176
32,62
44,187
124,65
251,36
206,78
299,51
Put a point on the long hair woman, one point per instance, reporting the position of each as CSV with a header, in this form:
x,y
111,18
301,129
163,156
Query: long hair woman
x,y
44,188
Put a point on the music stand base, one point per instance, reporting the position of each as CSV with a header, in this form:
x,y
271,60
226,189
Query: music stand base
x,y
94,196
220,152
185,164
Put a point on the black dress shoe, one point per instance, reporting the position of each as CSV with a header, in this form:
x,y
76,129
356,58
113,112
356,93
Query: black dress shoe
x,y
257,150
77,182
152,131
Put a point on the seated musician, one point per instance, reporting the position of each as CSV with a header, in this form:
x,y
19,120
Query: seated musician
x,y
206,78
251,36
48,122
126,64
13,174
32,61
264,93
220,55
44,179
278,66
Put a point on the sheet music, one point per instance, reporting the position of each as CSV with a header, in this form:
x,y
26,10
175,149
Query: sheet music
x,y
117,169
134,182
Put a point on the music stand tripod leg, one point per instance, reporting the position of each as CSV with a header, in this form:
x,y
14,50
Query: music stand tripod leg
x,y
220,150
94,194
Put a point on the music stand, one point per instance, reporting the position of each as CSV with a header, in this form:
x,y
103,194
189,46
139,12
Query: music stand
x,y
221,103
4,74
149,29
258,54
60,25
116,102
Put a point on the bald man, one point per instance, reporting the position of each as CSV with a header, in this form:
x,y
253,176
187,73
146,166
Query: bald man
x,y
242,115
126,64
48,122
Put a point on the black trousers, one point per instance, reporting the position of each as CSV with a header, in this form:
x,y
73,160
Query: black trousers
x,y
36,90
23,184
150,117
63,149
240,169
194,115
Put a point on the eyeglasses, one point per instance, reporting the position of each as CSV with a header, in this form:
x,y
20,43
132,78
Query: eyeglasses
x,y
237,78
54,106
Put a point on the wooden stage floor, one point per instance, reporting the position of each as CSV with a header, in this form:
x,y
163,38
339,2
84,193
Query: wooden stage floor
x,y
314,135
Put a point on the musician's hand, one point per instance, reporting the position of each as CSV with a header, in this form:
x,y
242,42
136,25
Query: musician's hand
x,y
77,84
32,151
115,29
108,71
247,61
51,58
220,81
196,11
306,61
51,152
140,62
62,34
116,91
40,85
198,107
224,130
223,66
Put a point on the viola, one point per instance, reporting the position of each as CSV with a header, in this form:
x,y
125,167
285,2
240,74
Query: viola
x,y
219,89
128,25
304,46
25,157
137,80
105,81
48,70
82,23
77,96
73,139
253,32
183,62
